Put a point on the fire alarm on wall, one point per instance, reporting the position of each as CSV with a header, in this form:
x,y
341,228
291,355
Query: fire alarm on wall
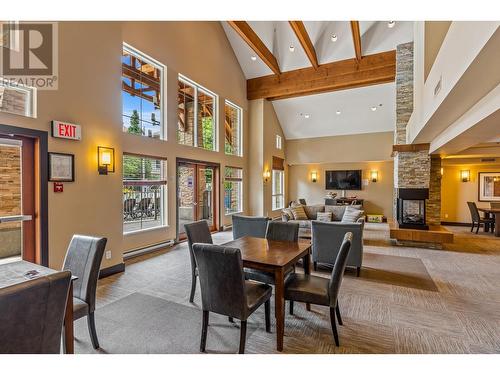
x,y
58,187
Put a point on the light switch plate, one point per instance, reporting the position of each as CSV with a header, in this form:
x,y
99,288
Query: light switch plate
x,y
108,254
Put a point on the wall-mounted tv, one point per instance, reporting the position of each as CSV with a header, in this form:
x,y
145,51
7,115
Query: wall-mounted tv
x,y
343,180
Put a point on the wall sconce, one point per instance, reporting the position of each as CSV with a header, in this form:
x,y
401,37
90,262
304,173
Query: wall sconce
x,y
314,176
105,160
374,176
267,175
465,175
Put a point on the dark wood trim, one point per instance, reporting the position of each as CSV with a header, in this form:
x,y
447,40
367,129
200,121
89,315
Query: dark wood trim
x,y
411,147
356,38
117,268
41,178
456,224
29,204
144,156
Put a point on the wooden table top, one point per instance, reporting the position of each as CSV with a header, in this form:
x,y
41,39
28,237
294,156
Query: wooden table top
x,y
491,210
267,252
21,271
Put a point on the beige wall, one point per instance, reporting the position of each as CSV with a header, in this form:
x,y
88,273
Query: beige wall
x,y
340,149
377,195
455,194
90,94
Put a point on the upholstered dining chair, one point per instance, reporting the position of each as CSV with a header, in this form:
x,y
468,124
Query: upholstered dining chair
x,y
225,291
254,226
197,232
319,290
83,259
276,231
477,219
32,315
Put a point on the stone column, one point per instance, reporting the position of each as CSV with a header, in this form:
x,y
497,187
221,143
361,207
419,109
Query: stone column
x,y
433,205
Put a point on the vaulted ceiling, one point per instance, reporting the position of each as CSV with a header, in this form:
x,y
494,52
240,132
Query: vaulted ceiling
x,y
338,54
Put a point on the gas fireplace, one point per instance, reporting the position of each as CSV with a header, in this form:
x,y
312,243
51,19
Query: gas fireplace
x,y
411,208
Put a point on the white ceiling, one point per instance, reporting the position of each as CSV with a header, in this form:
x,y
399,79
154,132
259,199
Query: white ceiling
x,y
356,116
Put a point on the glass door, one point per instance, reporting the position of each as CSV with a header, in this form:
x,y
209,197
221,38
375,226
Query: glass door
x,y
17,199
196,195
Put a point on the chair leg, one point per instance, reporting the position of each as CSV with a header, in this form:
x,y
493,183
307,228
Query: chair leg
x,y
291,307
92,331
315,266
230,319
334,326
243,336
358,271
337,311
477,229
193,286
267,306
204,329
472,228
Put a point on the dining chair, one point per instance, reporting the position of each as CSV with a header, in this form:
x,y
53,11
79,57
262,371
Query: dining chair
x,y
83,259
254,226
32,315
276,231
225,291
319,290
197,232
477,219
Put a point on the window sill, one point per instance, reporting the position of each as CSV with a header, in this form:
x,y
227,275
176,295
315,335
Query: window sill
x,y
145,230
234,213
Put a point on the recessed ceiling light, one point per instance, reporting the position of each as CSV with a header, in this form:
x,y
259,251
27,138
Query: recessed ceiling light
x,y
291,48
307,115
338,112
334,38
253,58
373,109
391,24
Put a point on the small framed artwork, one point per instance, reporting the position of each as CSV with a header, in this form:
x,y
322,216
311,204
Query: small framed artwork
x,y
61,167
489,186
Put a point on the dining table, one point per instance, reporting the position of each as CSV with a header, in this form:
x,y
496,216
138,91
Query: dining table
x,y
276,257
495,212
17,272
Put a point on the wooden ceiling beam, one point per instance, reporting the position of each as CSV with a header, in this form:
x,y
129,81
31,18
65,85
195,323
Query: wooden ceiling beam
x,y
356,37
339,75
252,39
300,31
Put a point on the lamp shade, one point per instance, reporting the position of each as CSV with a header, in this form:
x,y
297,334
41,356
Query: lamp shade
x,y
105,160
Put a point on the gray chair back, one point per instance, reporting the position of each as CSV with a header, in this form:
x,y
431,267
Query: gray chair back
x,y
282,231
197,232
222,281
83,259
338,269
474,213
32,314
254,226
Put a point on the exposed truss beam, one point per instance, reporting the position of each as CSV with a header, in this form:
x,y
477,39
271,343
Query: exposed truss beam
x,y
356,37
251,38
301,32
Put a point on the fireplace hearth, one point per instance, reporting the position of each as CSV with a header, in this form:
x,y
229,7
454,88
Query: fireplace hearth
x,y
411,208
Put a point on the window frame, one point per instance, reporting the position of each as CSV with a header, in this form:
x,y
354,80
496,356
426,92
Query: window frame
x,y
215,116
240,125
273,191
164,194
163,103
240,198
279,142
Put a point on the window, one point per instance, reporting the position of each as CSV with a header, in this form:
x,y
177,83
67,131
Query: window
x,y
233,130
142,88
233,190
278,189
144,193
278,142
197,115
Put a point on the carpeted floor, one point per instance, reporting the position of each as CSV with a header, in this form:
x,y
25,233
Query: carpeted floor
x,y
407,300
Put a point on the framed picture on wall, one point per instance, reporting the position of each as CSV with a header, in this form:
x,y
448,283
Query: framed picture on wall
x,y
61,167
489,186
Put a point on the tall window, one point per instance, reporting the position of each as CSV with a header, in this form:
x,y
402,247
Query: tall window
x,y
278,142
278,189
233,190
144,193
197,115
233,130
142,87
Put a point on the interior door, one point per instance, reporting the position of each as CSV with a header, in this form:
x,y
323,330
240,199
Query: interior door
x,y
18,235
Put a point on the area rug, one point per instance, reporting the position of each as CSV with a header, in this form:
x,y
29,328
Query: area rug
x,y
140,323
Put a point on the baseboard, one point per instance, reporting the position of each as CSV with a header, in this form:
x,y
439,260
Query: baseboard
x,y
117,268
456,224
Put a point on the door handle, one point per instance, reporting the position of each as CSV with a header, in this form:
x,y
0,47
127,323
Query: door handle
x,y
14,218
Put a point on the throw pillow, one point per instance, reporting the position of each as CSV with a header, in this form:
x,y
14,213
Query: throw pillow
x,y
299,213
288,212
324,216
337,212
351,214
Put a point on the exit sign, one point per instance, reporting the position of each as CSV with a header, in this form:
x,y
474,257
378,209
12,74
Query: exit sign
x,y
66,130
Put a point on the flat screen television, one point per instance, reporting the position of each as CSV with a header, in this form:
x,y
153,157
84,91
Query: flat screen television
x,y
343,180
